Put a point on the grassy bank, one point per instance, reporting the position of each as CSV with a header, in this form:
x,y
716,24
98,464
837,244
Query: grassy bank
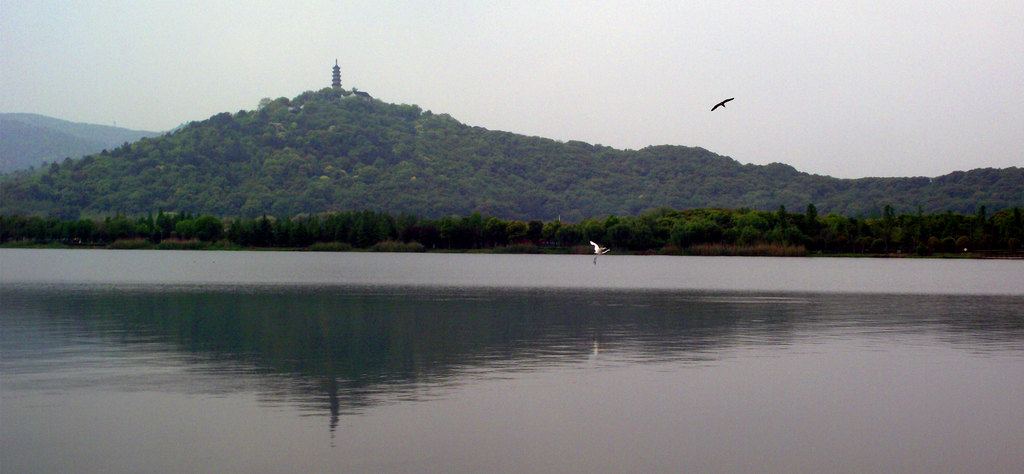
x,y
703,250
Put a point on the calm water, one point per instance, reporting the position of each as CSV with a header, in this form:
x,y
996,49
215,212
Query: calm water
x,y
129,361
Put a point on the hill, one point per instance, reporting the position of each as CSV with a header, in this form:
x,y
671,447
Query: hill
x,y
333,150
28,140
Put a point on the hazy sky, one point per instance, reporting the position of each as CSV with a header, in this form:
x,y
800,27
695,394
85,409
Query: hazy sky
x,y
847,89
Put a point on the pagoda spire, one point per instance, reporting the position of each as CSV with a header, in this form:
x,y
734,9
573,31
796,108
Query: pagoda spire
x,y
336,76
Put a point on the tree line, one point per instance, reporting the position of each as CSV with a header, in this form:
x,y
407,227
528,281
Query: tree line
x,y
695,231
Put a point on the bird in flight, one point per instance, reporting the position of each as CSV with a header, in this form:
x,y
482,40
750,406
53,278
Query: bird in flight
x,y
721,104
598,250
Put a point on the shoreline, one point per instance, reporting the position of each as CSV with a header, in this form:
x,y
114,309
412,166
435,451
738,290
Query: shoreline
x,y
722,251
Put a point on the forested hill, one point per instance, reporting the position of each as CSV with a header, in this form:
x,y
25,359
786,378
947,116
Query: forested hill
x,y
332,150
28,140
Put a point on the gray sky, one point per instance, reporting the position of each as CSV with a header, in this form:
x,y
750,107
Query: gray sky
x,y
847,89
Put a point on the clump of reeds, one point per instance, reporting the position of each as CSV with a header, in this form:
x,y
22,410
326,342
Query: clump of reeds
x,y
178,244
130,244
330,247
224,244
396,246
517,248
33,244
581,250
759,250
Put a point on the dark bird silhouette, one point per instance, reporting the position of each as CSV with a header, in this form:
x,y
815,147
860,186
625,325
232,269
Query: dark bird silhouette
x,y
721,104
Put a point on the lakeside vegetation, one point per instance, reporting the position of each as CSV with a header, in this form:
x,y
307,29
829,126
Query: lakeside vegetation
x,y
664,231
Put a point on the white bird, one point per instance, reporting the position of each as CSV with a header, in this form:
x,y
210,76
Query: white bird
x,y
598,250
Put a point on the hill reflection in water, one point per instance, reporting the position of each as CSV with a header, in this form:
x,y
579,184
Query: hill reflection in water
x,y
336,350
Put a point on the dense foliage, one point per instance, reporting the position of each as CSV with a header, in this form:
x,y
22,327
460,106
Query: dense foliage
x,y
702,231
332,151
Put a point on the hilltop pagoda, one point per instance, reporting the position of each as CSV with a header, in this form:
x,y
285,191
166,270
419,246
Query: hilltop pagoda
x,y
336,76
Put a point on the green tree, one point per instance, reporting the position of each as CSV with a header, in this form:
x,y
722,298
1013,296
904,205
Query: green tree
x,y
208,228
185,229
516,231
535,231
496,231
696,231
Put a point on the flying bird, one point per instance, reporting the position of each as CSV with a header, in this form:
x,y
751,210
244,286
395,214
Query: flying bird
x,y
721,104
598,250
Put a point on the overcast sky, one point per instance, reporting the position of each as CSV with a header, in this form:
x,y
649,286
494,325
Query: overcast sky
x,y
846,89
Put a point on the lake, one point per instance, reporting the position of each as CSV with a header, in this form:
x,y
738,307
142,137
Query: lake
x,y
178,361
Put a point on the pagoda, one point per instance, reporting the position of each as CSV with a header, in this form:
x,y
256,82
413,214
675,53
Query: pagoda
x,y
336,76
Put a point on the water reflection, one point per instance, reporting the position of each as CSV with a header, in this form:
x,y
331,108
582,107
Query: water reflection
x,y
337,350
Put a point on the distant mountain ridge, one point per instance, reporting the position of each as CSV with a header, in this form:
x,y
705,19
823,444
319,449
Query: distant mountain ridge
x,y
28,140
333,150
